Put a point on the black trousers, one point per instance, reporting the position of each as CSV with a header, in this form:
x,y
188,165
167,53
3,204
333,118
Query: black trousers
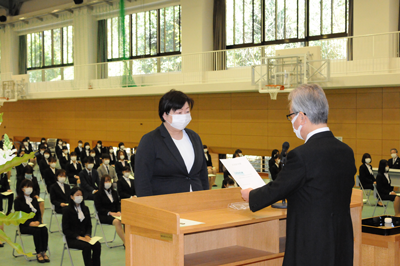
x,y
89,258
10,203
40,236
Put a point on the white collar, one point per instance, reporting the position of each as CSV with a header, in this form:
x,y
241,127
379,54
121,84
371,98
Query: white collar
x,y
318,130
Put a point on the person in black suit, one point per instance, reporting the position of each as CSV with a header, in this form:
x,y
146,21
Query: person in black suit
x,y
274,166
74,167
5,187
383,185
20,169
99,149
317,182
121,147
44,163
121,163
125,185
49,175
64,159
394,162
26,146
89,179
86,152
60,192
132,163
170,159
40,154
96,159
77,228
25,203
79,150
113,158
58,148
29,144
108,205
367,177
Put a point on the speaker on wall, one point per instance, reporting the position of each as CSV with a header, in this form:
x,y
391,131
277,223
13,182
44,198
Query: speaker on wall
x,y
78,2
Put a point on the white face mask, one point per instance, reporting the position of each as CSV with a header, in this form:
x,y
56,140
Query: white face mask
x,y
79,145
205,150
127,174
61,180
26,143
73,158
99,145
122,147
230,186
122,157
47,156
28,190
111,151
66,152
180,121
93,154
41,152
60,143
90,166
387,168
107,185
368,160
297,131
106,162
278,161
78,199
28,176
53,165
394,155
87,147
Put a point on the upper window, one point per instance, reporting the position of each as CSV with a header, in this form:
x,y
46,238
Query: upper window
x,y
252,22
147,34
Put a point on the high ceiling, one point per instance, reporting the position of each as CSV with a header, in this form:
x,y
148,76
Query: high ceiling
x,y
12,6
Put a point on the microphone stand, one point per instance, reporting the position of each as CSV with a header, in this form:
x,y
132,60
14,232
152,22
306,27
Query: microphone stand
x,y
283,204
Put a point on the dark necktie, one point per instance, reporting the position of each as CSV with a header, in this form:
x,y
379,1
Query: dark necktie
x,y
107,169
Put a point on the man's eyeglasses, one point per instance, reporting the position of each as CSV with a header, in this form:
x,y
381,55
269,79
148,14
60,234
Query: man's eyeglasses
x,y
289,116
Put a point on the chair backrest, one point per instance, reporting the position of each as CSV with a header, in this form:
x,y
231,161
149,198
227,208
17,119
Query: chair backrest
x,y
358,182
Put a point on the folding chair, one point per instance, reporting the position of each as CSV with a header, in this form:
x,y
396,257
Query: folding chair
x,y
53,213
102,230
68,249
46,194
358,183
18,234
379,199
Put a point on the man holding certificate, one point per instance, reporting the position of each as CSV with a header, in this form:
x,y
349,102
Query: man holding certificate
x,y
317,182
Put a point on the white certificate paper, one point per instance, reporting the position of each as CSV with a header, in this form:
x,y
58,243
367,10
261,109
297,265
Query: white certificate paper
x,y
243,172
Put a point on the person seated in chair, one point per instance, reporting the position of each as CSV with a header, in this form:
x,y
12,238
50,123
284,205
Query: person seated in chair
x,y
107,169
73,169
125,185
64,159
89,179
394,162
108,206
366,175
383,185
49,175
5,187
59,192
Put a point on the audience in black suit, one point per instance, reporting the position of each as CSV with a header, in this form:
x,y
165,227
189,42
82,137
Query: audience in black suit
x,y
77,228
5,187
64,159
125,185
44,164
60,192
49,175
86,152
89,179
96,159
59,146
40,154
25,203
20,169
383,185
74,167
274,164
121,147
132,163
394,162
120,163
99,149
366,175
108,205
113,158
79,150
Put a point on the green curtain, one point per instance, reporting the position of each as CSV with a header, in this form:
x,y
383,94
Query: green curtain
x,y
22,55
102,71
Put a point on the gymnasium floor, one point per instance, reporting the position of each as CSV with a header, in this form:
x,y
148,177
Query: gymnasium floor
x,y
114,256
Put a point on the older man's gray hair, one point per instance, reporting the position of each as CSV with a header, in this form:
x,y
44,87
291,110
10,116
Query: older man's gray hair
x,y
311,100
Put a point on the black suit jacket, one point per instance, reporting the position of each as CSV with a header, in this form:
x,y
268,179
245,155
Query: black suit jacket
x,y
84,154
119,167
383,185
20,205
319,229
132,163
89,184
104,205
57,196
124,190
274,171
367,180
43,165
160,169
72,227
36,188
20,169
113,159
4,184
395,165
49,177
208,159
78,153
72,171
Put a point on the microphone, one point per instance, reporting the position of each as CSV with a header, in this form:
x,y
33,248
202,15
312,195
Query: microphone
x,y
285,147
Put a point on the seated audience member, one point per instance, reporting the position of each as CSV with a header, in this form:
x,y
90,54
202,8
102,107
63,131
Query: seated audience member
x,y
60,192
125,185
79,150
121,147
26,146
132,163
107,169
238,153
96,159
29,144
274,166
25,203
99,149
383,185
77,228
43,141
73,169
121,163
58,149
230,183
394,162
113,158
49,175
5,187
20,169
64,159
40,154
210,168
44,164
108,205
89,179
86,152
366,175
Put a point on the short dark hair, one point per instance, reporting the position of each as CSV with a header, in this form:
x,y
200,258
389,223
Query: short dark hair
x,y
24,183
80,141
73,191
100,142
126,168
73,154
173,100
52,159
64,148
88,160
60,172
365,156
28,169
121,144
394,149
105,156
102,181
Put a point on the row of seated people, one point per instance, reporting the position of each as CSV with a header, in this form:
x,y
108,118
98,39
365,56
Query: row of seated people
x,y
382,180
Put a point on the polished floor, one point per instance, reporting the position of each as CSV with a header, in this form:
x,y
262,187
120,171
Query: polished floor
x,y
113,256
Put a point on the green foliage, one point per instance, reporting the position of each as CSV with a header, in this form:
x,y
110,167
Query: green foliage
x,y
15,162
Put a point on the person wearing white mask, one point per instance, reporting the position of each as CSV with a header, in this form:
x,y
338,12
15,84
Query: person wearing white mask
x,y
317,181
77,228
79,150
89,178
366,175
108,206
59,147
86,152
170,159
274,164
73,169
49,175
96,159
394,162
384,187
121,163
25,203
113,158
64,159
106,169
59,192
121,147
125,185
44,163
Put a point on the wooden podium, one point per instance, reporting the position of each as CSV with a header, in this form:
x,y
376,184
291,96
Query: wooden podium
x,y
153,235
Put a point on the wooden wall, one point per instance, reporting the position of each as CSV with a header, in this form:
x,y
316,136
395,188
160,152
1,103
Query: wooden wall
x,y
367,119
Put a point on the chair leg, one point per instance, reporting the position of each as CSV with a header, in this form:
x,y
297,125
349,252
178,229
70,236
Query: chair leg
x,y
62,255
105,239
